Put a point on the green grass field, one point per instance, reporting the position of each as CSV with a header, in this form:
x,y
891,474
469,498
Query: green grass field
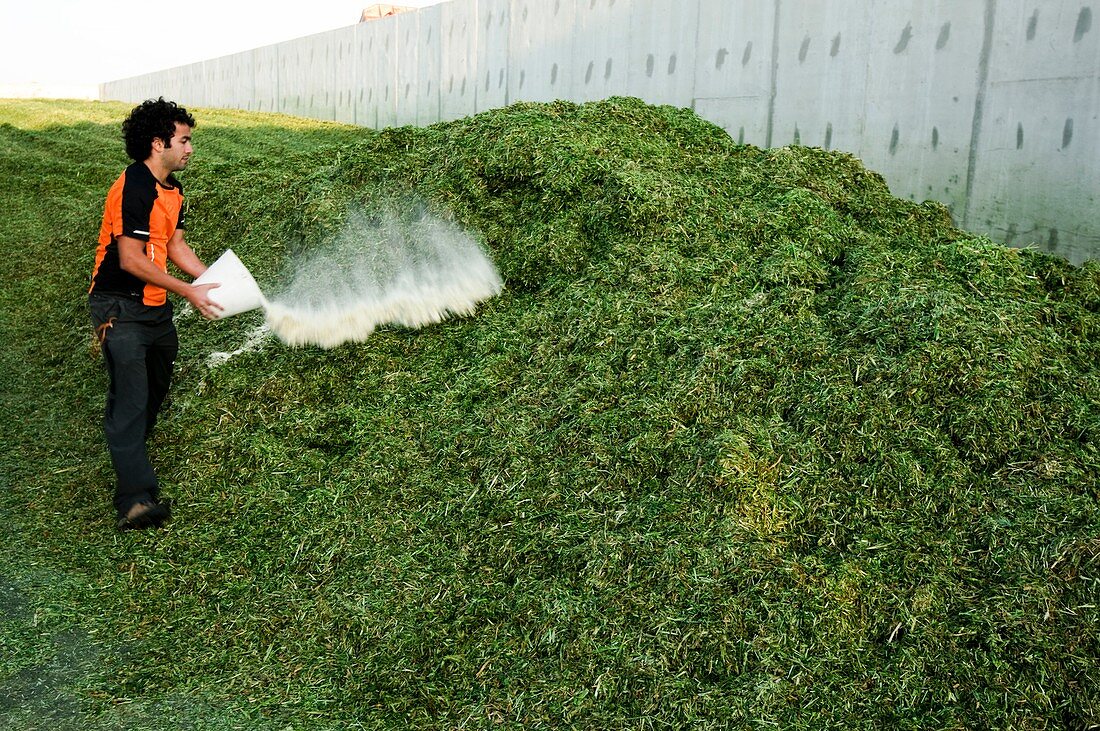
x,y
746,442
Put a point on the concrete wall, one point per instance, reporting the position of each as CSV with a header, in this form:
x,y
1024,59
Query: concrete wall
x,y
991,107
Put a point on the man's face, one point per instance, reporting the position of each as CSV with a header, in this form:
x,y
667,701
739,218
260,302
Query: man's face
x,y
176,155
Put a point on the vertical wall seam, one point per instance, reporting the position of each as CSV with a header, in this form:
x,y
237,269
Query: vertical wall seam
x,y
508,56
473,68
695,65
979,108
868,61
775,74
353,52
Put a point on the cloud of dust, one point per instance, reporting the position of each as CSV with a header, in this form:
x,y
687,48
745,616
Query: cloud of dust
x,y
382,270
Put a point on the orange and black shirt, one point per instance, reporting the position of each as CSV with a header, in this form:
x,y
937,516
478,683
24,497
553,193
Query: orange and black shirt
x,y
140,207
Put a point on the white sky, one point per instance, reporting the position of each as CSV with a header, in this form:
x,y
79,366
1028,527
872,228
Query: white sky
x,y
69,44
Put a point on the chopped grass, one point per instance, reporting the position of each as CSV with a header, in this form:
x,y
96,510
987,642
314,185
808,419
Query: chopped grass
x,y
746,441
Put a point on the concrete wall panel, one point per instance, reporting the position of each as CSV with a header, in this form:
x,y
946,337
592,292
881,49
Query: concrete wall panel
x,y
661,56
1045,39
300,80
1039,150
364,99
429,65
345,69
494,20
821,62
458,85
1040,140
218,76
733,67
179,84
210,71
601,49
408,50
290,71
239,77
321,92
541,50
378,67
266,78
917,120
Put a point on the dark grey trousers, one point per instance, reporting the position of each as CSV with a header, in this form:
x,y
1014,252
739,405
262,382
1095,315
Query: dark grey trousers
x,y
139,346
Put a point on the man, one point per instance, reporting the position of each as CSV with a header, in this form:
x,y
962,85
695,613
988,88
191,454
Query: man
x,y
142,231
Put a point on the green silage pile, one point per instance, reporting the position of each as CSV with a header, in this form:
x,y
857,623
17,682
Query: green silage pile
x,y
745,441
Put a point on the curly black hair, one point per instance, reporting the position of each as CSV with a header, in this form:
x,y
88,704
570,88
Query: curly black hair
x,y
150,120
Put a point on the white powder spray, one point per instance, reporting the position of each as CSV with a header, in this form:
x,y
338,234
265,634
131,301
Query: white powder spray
x,y
411,271
254,341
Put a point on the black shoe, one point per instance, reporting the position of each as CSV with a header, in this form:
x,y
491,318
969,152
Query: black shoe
x,y
144,514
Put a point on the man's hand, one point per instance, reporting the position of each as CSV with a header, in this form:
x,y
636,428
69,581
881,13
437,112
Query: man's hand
x,y
199,297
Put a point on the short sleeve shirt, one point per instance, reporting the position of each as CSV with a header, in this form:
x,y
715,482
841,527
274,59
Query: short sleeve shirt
x,y
141,207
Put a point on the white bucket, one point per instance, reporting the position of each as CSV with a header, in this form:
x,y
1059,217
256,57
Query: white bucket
x,y
238,291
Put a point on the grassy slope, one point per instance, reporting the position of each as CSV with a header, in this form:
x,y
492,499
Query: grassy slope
x,y
745,440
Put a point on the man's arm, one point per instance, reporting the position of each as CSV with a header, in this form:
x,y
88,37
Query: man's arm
x,y
180,254
132,259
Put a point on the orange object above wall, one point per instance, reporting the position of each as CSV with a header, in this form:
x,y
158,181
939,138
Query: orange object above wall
x,y
382,10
